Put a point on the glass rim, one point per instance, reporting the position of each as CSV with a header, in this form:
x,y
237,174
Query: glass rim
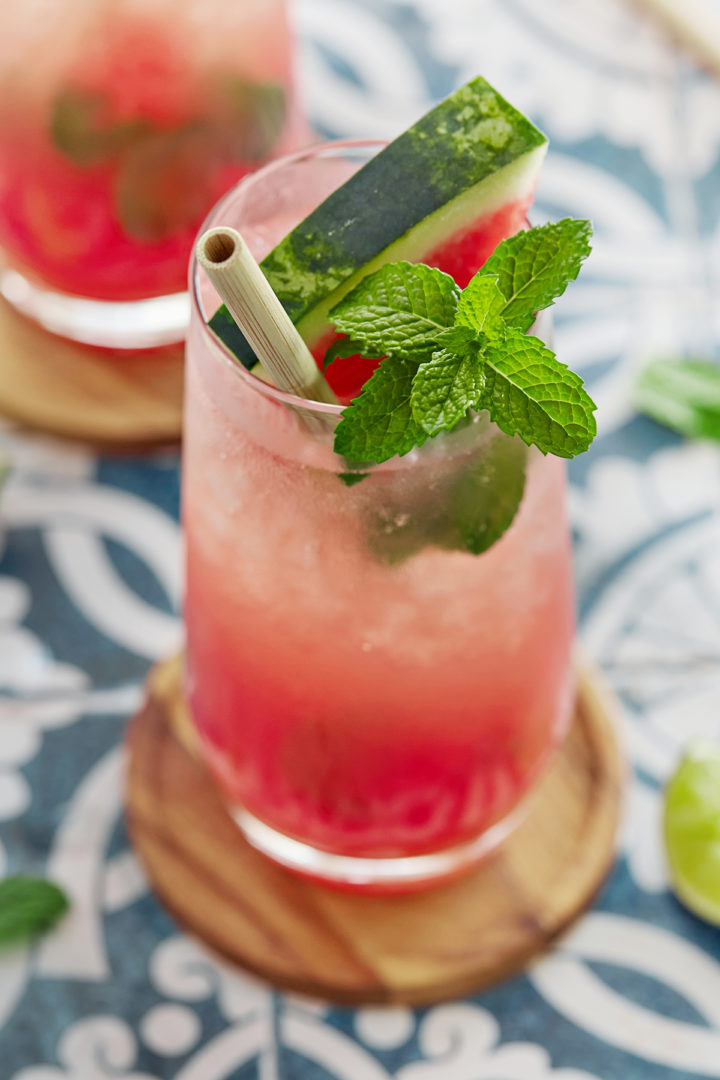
x,y
217,348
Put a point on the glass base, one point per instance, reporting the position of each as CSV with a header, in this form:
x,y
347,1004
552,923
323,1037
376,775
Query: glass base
x,y
134,324
373,874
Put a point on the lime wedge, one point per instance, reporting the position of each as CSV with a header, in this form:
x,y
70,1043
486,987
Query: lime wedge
x,y
692,830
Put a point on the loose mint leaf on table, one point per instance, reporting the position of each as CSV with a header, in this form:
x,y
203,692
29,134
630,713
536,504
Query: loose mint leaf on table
x,y
398,310
683,394
529,393
534,267
28,906
379,423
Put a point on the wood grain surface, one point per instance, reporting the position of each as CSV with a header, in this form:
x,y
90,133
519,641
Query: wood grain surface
x,y
447,942
121,399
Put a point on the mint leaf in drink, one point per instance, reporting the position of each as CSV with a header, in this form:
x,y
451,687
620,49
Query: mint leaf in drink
x,y
76,126
164,182
350,479
257,114
343,348
82,131
28,906
530,393
470,513
682,394
379,423
399,310
533,268
486,496
450,383
481,306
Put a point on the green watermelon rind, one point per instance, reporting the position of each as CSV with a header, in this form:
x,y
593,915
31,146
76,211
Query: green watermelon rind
x,y
464,159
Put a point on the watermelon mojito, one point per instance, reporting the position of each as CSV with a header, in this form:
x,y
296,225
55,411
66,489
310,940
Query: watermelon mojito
x,y
377,665
121,124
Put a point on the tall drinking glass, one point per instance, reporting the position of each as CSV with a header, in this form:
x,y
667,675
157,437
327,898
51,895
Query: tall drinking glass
x,y
121,123
373,700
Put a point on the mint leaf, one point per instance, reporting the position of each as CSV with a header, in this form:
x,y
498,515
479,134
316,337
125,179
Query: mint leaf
x,y
483,502
350,479
343,348
28,906
530,393
258,114
534,267
82,131
448,384
164,181
481,305
399,310
379,423
400,530
476,506
682,394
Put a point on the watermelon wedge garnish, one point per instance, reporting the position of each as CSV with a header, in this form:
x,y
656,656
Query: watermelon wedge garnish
x,y
444,193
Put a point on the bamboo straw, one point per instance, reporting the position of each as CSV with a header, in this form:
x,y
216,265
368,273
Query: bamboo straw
x,y
246,292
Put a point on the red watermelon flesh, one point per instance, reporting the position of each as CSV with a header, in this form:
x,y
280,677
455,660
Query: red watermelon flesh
x,y
461,256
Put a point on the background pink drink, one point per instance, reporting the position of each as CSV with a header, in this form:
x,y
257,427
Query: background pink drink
x,y
121,123
359,702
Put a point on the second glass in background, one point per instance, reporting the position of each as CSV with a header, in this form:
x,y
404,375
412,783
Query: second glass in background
x,y
121,123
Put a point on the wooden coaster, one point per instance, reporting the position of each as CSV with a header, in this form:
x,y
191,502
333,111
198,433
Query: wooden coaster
x,y
123,399
448,942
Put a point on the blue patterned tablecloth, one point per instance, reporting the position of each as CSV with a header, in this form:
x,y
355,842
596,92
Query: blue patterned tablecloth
x,y
90,578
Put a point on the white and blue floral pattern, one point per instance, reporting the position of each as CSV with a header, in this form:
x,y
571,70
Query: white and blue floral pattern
x,y
90,580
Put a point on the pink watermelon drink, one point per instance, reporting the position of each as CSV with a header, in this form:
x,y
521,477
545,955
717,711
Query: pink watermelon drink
x,y
373,698
138,118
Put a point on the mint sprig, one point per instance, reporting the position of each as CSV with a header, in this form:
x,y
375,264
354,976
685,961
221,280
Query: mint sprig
x,y
399,310
28,906
529,393
448,352
379,424
449,383
533,268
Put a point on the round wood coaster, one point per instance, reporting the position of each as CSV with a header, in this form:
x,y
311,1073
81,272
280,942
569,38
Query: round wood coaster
x,y
448,942
122,399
